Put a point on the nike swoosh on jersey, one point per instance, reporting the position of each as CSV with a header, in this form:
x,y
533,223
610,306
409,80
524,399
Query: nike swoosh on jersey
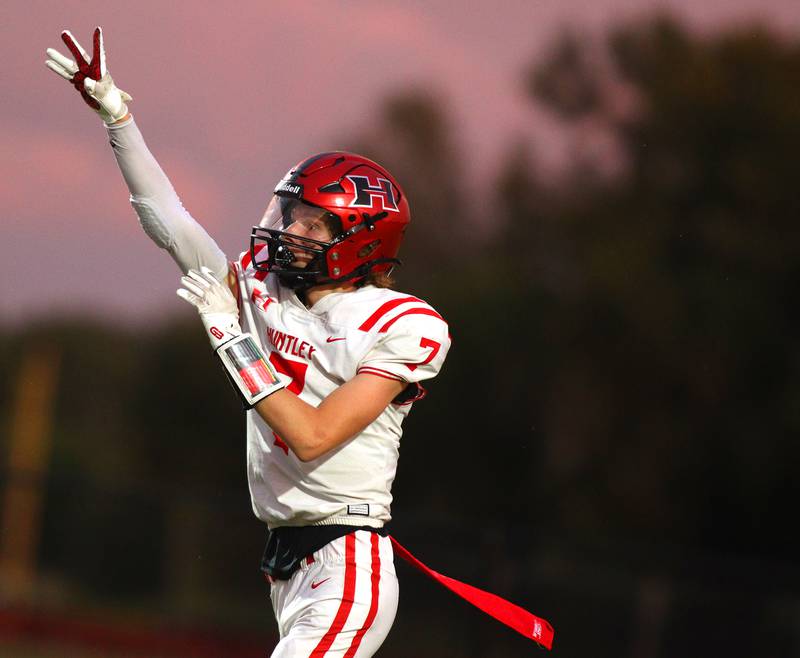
x,y
315,585
331,339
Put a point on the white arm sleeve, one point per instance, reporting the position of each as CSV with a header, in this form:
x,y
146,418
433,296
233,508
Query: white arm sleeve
x,y
160,211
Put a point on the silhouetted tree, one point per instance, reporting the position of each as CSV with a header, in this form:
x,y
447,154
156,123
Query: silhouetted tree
x,y
671,410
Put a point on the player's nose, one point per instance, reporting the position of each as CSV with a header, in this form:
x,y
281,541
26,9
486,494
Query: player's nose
x,y
296,229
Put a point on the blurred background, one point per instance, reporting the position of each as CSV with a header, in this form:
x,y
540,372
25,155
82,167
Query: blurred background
x,y
604,199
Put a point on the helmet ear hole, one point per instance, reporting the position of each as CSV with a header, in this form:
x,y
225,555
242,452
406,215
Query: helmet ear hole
x,y
367,249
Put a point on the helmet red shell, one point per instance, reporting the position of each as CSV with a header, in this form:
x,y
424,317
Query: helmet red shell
x,y
371,209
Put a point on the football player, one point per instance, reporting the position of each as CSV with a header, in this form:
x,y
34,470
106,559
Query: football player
x,y
325,356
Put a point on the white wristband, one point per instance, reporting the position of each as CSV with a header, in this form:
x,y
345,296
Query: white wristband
x,y
251,373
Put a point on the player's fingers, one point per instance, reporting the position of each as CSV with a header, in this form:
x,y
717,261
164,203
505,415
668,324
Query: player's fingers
x,y
192,288
125,96
192,282
193,299
103,69
89,85
208,274
75,48
195,286
64,62
98,55
199,279
53,66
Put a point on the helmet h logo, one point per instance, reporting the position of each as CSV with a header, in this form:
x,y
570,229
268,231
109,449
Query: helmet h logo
x,y
366,192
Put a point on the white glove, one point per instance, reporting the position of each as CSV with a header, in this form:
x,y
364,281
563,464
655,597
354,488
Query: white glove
x,y
252,375
91,78
215,302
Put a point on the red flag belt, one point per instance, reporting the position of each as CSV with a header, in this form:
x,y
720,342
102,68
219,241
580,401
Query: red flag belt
x,y
533,627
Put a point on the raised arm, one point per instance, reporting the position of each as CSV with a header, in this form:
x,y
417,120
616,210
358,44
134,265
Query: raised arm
x,y
155,201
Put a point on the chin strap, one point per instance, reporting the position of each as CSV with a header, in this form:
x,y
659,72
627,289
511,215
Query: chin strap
x,y
298,283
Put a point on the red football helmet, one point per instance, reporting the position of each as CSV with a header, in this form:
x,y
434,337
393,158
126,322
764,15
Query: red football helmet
x,y
358,201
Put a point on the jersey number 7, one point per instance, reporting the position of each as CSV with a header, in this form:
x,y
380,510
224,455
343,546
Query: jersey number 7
x,y
297,371
426,343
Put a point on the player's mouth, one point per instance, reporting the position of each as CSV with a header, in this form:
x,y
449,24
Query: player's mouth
x,y
301,258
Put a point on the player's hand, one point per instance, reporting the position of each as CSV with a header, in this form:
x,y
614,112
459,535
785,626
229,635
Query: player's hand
x,y
215,303
90,77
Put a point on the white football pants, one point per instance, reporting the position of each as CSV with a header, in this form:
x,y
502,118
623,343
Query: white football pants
x,y
340,603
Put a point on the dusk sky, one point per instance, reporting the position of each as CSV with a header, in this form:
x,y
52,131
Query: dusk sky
x,y
229,97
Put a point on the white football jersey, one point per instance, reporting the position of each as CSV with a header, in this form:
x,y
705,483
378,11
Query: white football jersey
x,y
369,330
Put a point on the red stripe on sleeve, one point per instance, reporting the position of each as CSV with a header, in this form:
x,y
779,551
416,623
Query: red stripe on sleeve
x,y
411,311
373,605
379,373
372,320
347,598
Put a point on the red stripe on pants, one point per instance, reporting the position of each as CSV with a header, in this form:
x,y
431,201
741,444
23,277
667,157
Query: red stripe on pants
x,y
373,606
347,598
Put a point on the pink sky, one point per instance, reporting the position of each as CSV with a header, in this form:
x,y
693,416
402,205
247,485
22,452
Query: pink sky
x,y
228,99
